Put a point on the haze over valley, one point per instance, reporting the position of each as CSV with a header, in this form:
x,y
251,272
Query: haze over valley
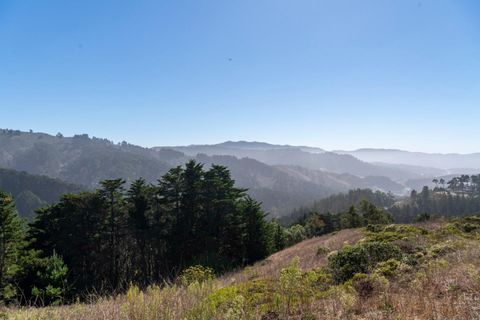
x,y
281,177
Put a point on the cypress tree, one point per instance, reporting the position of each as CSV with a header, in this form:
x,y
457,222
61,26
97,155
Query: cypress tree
x,y
12,242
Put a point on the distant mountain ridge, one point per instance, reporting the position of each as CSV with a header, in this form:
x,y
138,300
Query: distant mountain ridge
x,y
437,160
242,144
296,156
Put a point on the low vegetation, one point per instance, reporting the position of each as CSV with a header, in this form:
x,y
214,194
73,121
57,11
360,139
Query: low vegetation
x,y
430,270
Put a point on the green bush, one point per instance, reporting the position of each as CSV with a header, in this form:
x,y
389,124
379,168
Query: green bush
x,y
195,274
374,227
388,268
360,258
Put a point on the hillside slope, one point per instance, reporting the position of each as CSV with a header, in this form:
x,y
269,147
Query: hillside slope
x,y
437,160
427,271
310,158
79,159
32,191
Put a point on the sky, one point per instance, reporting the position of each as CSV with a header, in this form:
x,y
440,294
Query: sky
x,y
334,74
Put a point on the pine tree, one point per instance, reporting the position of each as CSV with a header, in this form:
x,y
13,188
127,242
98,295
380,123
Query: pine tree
x,y
112,193
12,242
257,242
279,236
139,229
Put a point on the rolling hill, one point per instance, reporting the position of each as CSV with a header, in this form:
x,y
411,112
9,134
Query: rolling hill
x,y
452,162
32,191
309,158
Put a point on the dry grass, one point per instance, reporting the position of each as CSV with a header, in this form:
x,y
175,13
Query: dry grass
x,y
441,287
171,302
306,251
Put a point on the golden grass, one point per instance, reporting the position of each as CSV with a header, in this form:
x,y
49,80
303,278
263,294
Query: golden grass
x,y
306,251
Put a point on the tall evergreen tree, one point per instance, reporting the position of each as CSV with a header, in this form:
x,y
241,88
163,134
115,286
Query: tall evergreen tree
x,y
12,241
111,192
257,242
139,230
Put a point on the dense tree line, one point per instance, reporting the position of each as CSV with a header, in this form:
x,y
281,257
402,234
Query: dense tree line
x,y
317,224
341,202
456,197
103,241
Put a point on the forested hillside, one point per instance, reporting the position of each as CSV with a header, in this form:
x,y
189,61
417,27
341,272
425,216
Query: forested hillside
x,y
458,196
341,202
79,159
32,191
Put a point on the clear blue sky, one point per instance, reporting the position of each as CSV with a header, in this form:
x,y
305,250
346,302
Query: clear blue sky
x,y
334,74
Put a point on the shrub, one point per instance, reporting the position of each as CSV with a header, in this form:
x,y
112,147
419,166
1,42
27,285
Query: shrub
x,y
291,283
441,249
394,232
259,294
388,268
366,285
362,284
470,228
196,274
225,301
347,262
374,227
321,251
360,259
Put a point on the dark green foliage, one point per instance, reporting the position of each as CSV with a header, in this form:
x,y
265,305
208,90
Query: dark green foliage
x,y
422,217
51,281
342,202
458,197
12,236
360,258
318,224
351,219
257,239
374,215
278,235
148,233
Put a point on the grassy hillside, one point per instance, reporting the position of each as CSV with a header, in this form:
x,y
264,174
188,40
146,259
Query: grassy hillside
x,y
424,271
